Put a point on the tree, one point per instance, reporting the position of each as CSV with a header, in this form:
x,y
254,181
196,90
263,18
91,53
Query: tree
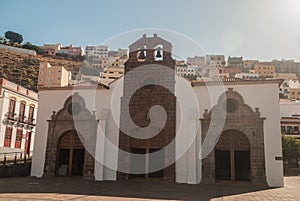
x,y
14,37
30,46
290,147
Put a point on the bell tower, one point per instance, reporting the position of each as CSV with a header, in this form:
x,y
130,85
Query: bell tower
x,y
151,58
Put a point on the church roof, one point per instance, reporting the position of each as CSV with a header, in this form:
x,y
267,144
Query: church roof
x,y
226,81
84,85
237,81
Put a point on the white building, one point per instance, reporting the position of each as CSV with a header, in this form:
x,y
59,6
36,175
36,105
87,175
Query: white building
x,y
246,75
18,109
216,60
290,117
289,108
89,122
212,72
111,74
287,87
197,61
185,71
53,76
97,51
284,89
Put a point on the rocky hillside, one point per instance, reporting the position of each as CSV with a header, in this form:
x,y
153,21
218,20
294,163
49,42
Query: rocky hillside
x,y
23,69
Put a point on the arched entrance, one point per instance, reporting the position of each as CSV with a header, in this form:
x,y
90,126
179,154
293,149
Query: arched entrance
x,y
232,157
70,155
239,154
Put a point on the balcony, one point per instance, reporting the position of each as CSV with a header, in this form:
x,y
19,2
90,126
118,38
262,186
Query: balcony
x,y
30,124
21,123
10,118
30,121
291,131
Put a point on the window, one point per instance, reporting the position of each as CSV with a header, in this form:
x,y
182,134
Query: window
x,y
30,114
231,105
19,138
22,111
289,129
7,138
74,108
11,109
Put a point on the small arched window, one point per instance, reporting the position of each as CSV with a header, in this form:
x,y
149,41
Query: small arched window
x,y
22,111
31,114
11,108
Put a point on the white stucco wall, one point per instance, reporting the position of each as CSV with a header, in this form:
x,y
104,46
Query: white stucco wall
x,y
289,108
48,101
188,166
265,97
95,100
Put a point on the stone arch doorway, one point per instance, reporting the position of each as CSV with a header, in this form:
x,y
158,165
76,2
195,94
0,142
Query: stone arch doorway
x,y
232,157
70,155
241,139
65,139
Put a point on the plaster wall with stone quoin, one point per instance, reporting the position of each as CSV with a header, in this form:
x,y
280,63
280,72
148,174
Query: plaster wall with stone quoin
x,y
252,126
151,53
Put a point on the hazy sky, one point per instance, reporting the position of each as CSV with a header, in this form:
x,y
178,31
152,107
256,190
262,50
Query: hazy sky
x,y
262,29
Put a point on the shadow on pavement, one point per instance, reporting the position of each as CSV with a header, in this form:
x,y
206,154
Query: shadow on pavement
x,y
126,189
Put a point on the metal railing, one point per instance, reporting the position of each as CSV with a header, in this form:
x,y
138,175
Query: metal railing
x,y
9,158
14,164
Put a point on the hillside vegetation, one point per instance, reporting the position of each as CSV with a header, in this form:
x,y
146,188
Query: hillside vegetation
x,y
23,69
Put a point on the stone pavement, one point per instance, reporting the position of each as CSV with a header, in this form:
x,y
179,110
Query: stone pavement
x,y
26,188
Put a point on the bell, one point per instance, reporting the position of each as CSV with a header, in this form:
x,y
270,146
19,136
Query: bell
x,y
158,54
142,55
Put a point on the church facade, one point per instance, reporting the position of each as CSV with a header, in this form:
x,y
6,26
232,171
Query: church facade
x,y
226,130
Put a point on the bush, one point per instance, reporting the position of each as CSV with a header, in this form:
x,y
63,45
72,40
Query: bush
x,y
290,147
30,46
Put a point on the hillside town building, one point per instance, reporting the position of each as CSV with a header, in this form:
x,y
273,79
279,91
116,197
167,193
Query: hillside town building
x,y
52,76
235,62
264,70
215,60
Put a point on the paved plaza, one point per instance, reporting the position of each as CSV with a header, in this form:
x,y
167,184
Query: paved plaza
x,y
27,188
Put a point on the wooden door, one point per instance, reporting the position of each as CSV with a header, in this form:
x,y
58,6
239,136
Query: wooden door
x,y
70,159
27,143
7,138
